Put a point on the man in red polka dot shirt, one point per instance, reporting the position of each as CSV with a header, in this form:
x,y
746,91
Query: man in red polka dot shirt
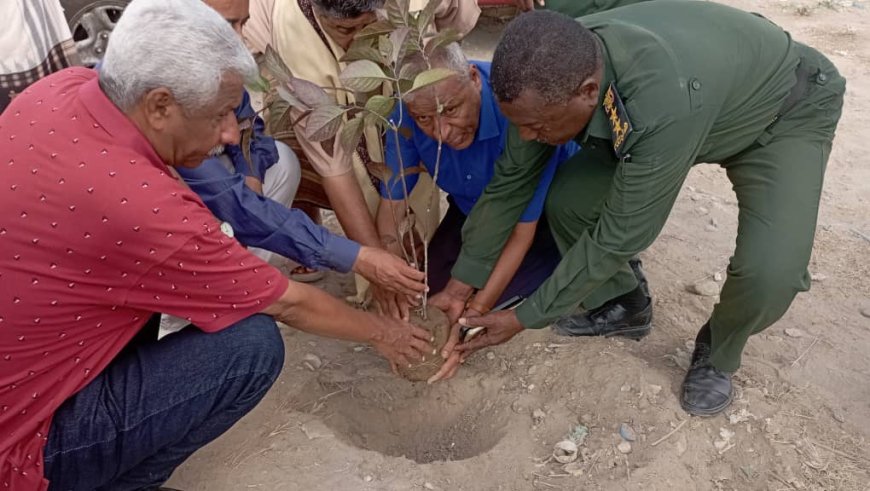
x,y
96,236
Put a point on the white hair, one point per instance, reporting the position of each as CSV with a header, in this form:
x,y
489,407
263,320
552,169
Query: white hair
x,y
182,45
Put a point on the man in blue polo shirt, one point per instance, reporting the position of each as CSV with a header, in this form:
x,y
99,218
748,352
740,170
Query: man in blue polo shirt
x,y
473,132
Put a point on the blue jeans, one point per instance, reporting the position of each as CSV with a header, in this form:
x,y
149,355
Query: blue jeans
x,y
158,402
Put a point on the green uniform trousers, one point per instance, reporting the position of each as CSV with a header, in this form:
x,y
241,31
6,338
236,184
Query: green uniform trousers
x,y
778,183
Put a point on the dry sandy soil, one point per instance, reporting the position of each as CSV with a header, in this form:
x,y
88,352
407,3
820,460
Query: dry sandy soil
x,y
801,418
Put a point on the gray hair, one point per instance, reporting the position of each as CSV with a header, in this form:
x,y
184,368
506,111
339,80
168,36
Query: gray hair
x,y
182,45
544,51
347,9
449,56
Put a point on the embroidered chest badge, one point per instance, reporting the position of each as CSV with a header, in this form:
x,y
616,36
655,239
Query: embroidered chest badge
x,y
617,116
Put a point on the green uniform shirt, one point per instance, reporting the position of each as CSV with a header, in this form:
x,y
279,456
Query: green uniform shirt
x,y
700,82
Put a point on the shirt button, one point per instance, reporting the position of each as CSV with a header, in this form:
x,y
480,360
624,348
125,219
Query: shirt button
x,y
468,177
696,84
822,78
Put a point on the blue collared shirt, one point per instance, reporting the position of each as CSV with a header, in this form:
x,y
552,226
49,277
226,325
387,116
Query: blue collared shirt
x,y
464,174
258,221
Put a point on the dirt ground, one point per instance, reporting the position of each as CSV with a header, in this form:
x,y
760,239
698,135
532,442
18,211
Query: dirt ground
x,y
338,420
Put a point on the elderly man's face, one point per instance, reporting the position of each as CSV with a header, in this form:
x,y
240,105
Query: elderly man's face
x,y
460,115
342,31
234,11
182,138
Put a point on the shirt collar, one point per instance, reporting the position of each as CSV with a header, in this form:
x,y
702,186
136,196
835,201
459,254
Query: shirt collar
x,y
115,123
598,126
488,124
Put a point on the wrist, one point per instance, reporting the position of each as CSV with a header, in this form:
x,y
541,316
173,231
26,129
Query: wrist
x,y
480,307
360,265
458,289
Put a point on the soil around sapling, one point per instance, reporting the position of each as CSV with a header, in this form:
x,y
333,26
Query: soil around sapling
x,y
437,324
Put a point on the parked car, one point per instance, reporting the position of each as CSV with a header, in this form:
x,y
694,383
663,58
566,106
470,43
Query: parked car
x,y
91,22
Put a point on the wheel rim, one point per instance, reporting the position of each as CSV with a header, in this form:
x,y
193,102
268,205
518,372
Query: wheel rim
x,y
91,29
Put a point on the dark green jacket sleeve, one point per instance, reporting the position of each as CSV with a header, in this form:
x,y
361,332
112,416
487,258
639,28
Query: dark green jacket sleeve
x,y
643,192
498,210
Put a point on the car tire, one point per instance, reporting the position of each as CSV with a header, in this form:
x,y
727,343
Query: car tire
x,y
91,22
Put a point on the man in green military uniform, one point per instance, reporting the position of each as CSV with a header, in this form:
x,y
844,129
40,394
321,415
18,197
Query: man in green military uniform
x,y
647,101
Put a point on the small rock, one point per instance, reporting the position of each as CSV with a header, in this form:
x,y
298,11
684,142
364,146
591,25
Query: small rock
x,y
428,485
681,445
574,468
717,276
740,416
532,369
531,387
357,349
548,364
691,189
538,415
703,210
624,447
654,389
794,332
818,277
724,441
695,197
490,355
710,228
565,451
627,432
625,388
713,222
704,288
312,361
839,416
866,312
368,479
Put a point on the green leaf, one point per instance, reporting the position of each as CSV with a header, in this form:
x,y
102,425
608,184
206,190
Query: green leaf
x,y
444,37
323,123
397,40
409,71
381,105
273,64
309,93
363,76
375,29
430,77
385,48
362,51
260,84
427,15
397,11
288,96
351,133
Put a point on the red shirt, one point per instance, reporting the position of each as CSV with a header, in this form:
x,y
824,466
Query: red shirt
x,y
95,236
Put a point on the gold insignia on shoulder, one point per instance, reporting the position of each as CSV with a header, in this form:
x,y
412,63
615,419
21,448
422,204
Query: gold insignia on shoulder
x,y
620,125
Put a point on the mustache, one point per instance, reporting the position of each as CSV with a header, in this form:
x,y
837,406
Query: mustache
x,y
216,151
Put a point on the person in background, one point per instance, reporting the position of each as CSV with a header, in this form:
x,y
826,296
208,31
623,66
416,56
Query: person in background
x,y
311,36
35,42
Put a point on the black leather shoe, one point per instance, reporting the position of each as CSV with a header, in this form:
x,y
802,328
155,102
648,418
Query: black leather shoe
x,y
706,390
618,317
611,319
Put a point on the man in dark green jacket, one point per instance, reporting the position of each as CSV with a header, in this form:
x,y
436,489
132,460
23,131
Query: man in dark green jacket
x,y
649,90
